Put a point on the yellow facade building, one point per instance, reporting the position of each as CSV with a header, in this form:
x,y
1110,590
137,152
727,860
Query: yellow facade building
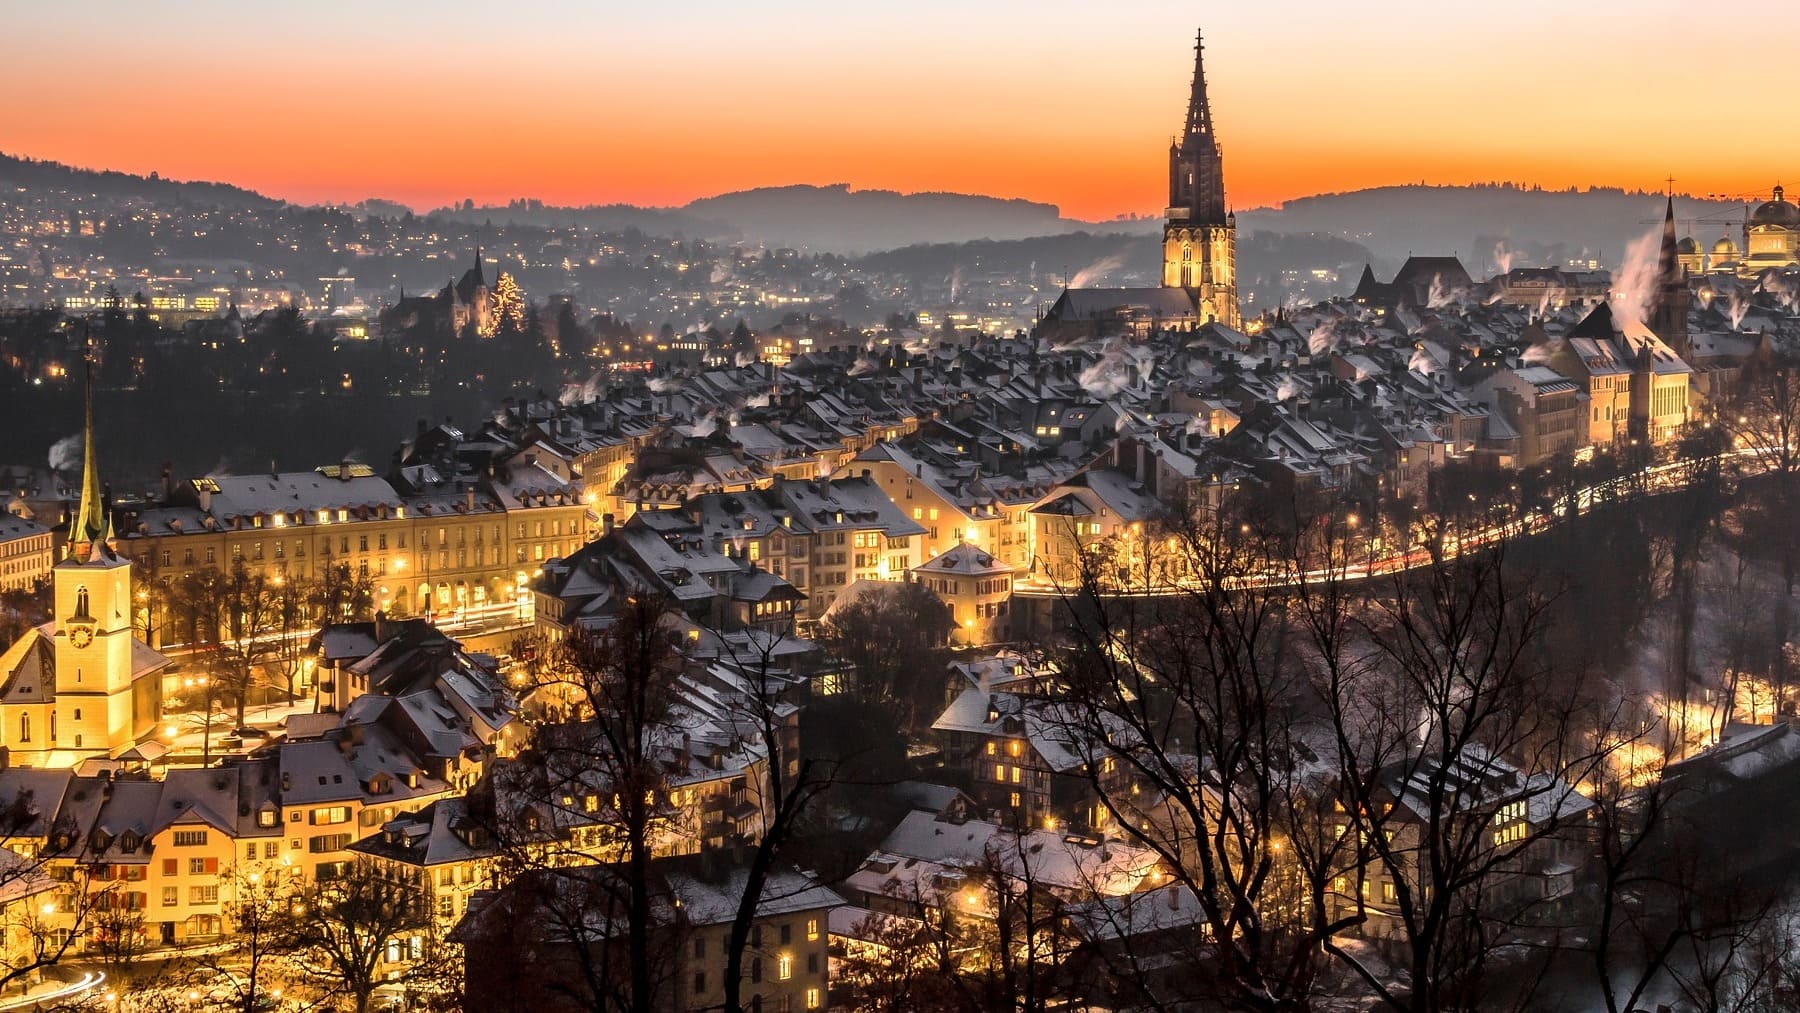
x,y
82,686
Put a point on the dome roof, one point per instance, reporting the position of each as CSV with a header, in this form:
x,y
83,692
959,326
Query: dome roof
x,y
1777,212
1687,245
1725,248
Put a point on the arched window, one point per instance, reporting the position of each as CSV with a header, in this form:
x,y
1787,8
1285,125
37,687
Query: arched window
x,y
1187,252
24,728
81,602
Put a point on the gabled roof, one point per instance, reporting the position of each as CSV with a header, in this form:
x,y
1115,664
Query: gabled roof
x,y
963,559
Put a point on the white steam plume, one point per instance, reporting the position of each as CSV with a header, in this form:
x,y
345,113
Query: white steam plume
x,y
1503,257
1737,307
1422,363
1324,338
1634,287
1097,270
65,454
1440,297
1110,375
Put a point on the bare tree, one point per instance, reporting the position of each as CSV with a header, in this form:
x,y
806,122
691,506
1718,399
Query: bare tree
x,y
341,594
619,682
894,641
769,696
263,913
1197,696
248,607
1459,748
353,920
292,619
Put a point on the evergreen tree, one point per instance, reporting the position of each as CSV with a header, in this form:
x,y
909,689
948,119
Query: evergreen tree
x,y
508,306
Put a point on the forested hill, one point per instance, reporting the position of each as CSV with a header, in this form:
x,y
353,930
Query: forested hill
x,y
36,174
1535,226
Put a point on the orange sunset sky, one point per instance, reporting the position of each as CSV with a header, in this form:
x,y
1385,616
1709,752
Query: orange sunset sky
x,y
1054,100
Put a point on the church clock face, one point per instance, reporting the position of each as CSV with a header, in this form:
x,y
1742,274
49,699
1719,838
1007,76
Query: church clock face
x,y
81,636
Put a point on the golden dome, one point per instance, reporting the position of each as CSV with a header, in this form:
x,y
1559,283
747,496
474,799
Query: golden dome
x,y
1725,248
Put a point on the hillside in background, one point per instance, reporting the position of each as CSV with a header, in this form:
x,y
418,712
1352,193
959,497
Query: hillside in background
x,y
1539,227
843,220
830,219
1488,226
32,173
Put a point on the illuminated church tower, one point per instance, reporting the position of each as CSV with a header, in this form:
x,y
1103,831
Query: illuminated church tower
x,y
96,710
1200,233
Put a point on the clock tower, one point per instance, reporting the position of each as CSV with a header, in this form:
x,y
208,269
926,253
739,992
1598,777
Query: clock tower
x,y
96,710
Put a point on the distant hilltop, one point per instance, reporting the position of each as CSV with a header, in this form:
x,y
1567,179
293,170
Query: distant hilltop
x,y
835,218
32,173
1489,226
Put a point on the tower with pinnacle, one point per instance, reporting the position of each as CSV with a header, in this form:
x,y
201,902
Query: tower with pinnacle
x,y
1199,229
1669,307
105,693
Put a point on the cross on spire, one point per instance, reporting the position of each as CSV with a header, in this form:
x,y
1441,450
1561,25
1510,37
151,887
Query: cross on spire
x,y
1199,117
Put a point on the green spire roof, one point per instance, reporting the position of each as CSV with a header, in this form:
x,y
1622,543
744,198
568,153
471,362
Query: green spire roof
x,y
91,529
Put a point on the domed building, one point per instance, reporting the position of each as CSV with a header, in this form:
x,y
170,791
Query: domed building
x,y
1771,237
1687,252
1725,255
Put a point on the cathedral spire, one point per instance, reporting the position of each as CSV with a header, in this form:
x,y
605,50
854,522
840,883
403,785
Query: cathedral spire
x,y
1199,117
1669,308
1669,262
90,532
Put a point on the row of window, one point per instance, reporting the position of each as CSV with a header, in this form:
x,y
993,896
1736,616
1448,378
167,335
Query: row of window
x,y
279,547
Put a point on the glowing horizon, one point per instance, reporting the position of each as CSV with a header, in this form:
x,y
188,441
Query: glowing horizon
x,y
431,104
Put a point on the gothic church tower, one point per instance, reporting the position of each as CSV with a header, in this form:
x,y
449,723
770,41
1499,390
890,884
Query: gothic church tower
x,y
1200,232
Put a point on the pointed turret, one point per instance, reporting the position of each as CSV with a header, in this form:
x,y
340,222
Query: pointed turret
x,y
1199,117
1196,171
1669,263
90,531
1669,312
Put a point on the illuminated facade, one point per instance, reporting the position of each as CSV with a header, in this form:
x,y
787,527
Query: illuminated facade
x,y
82,686
1200,232
1771,237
